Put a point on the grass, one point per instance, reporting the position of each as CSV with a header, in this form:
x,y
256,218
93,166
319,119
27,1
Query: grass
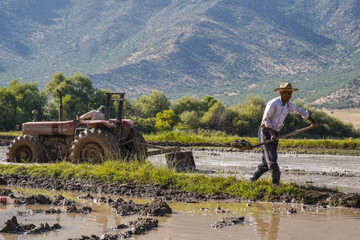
x,y
348,146
11,133
219,137
133,172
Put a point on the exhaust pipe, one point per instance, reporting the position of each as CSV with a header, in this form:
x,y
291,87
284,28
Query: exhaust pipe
x,y
60,107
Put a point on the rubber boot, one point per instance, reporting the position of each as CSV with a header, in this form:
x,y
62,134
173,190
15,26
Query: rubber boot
x,y
276,177
256,175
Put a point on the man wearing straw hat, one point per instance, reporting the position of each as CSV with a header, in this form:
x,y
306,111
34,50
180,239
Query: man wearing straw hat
x,y
273,118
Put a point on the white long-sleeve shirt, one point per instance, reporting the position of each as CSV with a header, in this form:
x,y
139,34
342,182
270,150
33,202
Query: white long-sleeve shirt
x,y
95,115
276,112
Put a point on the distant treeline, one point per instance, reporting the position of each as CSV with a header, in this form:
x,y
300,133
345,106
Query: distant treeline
x,y
153,112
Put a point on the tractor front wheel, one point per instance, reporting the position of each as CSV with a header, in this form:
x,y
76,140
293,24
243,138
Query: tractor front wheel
x,y
93,146
26,148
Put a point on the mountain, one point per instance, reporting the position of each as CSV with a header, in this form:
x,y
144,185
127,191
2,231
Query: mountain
x,y
226,48
346,97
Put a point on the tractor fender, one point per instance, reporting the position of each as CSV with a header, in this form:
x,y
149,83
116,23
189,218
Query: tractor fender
x,y
127,125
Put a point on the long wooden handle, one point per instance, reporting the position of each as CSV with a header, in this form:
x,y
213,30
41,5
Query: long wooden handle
x,y
285,135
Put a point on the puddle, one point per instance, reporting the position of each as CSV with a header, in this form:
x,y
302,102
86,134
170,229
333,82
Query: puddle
x,y
193,221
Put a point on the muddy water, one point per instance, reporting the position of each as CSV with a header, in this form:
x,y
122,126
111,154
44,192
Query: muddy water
x,y
322,170
193,221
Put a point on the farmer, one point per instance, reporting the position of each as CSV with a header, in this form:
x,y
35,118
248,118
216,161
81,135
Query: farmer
x,y
274,115
94,114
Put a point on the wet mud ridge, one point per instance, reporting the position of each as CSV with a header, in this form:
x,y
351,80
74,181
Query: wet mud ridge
x,y
158,207
12,226
305,195
125,190
229,221
137,227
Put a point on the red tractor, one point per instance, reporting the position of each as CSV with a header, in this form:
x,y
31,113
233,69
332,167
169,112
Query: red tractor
x,y
79,141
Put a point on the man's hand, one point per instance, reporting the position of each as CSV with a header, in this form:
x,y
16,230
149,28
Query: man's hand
x,y
273,136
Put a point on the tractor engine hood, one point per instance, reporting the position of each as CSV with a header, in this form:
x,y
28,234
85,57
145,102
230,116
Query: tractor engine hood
x,y
49,128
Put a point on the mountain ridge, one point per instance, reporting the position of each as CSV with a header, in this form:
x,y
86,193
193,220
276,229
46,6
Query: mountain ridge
x,y
226,48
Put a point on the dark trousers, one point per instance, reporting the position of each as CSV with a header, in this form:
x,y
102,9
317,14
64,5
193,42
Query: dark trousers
x,y
269,157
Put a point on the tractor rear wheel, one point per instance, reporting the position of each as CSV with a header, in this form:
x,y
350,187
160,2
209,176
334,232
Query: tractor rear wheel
x,y
93,146
26,148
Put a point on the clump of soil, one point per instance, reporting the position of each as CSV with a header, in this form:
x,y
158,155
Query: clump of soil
x,y
228,222
137,227
61,201
35,211
84,210
6,192
241,144
5,140
158,207
34,199
12,226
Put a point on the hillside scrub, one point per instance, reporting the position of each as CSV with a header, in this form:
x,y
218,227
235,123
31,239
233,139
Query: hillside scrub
x,y
117,173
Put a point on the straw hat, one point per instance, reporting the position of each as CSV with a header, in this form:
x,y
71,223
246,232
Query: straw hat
x,y
286,87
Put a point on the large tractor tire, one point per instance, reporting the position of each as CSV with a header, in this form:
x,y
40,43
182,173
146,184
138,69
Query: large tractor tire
x,y
134,150
93,146
24,149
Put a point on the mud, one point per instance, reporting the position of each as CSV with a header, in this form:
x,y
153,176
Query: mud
x,y
12,226
307,195
229,221
137,227
5,140
36,211
241,144
83,210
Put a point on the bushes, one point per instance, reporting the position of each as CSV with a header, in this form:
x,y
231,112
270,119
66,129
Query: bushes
x,y
154,112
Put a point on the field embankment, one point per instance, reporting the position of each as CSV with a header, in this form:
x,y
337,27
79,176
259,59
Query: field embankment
x,y
146,180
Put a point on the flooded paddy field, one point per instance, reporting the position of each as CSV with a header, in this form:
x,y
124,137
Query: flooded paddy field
x,y
320,170
194,221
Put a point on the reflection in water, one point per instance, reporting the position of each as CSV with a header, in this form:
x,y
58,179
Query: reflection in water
x,y
267,230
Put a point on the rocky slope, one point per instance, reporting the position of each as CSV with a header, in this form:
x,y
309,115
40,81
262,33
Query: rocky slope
x,y
227,48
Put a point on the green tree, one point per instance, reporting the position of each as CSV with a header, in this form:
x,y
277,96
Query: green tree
x,y
218,118
249,116
79,96
189,120
146,125
7,109
28,97
208,101
150,105
188,104
166,120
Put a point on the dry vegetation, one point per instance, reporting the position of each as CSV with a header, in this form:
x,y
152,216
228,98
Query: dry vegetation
x,y
349,115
